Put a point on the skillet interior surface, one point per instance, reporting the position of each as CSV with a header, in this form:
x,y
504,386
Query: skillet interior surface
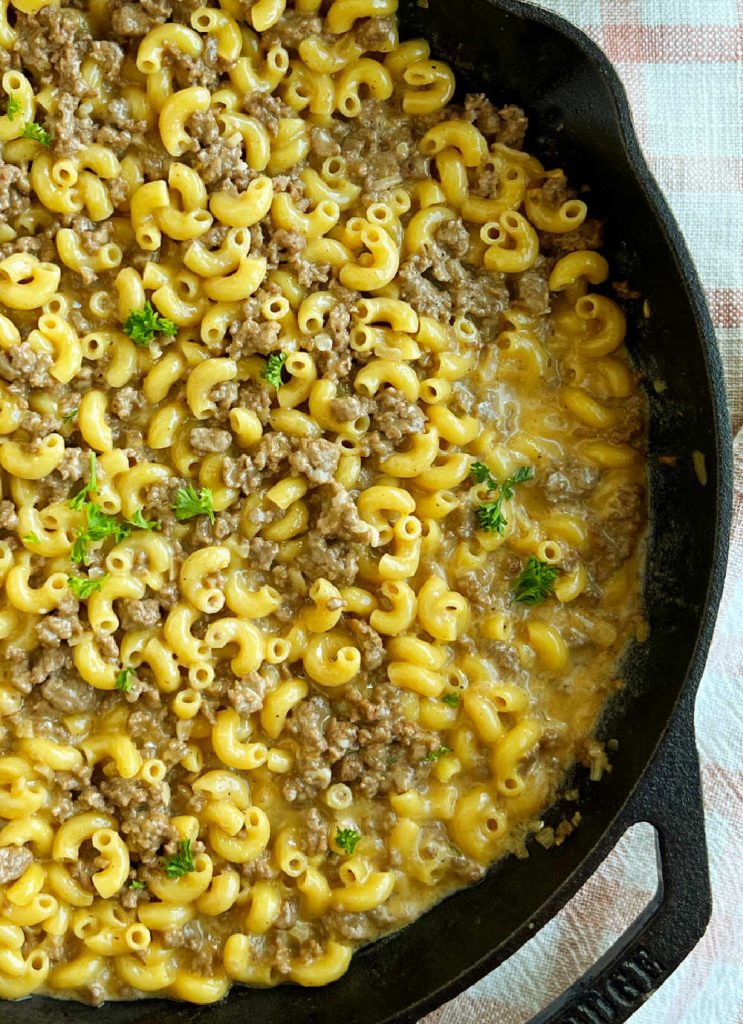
x,y
579,121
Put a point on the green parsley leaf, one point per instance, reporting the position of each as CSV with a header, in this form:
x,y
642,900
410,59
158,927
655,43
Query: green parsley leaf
x,y
143,324
83,587
535,583
347,839
452,699
522,474
434,755
93,482
136,884
78,500
489,514
271,372
490,517
189,503
124,680
69,416
79,552
141,523
180,863
13,106
482,475
31,538
34,131
98,526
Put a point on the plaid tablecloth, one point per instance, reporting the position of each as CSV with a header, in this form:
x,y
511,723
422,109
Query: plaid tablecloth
x,y
681,62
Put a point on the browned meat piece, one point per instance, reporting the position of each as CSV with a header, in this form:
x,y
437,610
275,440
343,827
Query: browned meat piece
x,y
136,19
13,862
139,614
68,694
317,459
206,440
52,43
339,516
142,813
15,189
395,416
369,641
337,562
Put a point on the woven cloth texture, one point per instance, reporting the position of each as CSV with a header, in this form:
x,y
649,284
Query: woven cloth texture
x,y
681,64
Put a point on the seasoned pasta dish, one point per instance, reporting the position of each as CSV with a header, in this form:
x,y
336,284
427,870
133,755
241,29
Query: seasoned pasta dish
x,y
323,491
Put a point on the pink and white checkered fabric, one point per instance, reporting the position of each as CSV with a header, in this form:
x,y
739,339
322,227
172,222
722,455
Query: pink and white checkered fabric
x,y
681,64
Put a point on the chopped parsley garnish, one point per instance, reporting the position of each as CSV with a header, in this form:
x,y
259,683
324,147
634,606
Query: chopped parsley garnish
x,y
482,475
79,551
98,526
271,372
535,583
180,863
31,538
32,130
490,517
141,523
189,503
490,513
347,839
143,324
101,525
136,884
78,500
13,106
434,755
69,416
84,586
124,680
452,699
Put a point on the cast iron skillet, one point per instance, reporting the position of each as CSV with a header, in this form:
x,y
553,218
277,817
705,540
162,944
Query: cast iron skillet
x,y
580,121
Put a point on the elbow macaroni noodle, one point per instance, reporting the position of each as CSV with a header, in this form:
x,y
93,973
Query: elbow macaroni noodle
x,y
265,659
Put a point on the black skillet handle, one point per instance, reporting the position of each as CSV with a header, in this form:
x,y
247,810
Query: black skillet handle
x,y
669,796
